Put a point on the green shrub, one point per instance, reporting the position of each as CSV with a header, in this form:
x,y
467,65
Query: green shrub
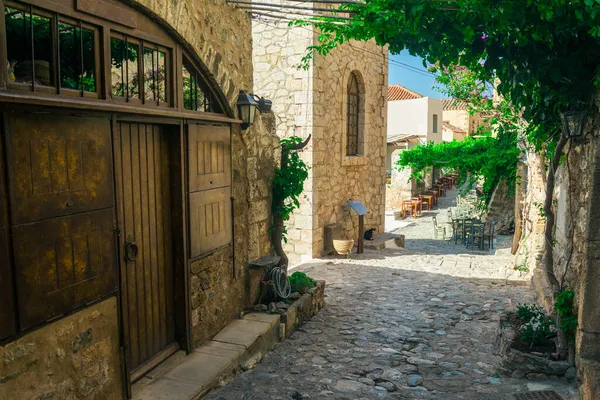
x,y
527,311
537,328
301,282
564,309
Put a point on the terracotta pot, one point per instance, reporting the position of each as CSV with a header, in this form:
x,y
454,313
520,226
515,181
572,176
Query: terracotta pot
x,y
343,247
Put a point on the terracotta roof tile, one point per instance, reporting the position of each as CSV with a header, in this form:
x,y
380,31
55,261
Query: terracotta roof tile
x,y
399,92
453,104
402,137
452,127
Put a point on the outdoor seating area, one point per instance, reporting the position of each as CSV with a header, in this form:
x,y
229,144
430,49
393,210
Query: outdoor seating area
x,y
468,224
427,200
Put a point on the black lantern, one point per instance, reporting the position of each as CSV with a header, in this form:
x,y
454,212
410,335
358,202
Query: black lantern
x,y
247,107
573,123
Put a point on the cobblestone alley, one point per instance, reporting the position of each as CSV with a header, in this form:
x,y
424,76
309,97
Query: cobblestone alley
x,y
413,323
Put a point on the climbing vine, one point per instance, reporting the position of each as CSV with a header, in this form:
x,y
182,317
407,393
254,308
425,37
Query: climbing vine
x,y
288,182
485,158
564,310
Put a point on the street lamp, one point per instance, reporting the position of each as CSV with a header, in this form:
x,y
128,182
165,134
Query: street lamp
x,y
573,123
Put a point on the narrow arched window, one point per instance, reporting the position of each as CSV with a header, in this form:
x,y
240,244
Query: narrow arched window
x,y
352,119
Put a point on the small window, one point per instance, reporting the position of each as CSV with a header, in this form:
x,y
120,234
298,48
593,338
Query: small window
x,y
435,123
353,145
196,94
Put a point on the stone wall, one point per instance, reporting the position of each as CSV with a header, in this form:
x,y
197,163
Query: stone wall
x,y
337,177
278,51
501,209
76,357
531,242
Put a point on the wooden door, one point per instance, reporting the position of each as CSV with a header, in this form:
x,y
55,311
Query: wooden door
x,y
143,213
210,187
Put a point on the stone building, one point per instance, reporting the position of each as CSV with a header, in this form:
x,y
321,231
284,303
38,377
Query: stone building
x,y
131,200
339,99
456,114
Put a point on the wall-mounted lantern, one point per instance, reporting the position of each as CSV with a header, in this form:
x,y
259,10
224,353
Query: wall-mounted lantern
x,y
247,104
247,107
573,123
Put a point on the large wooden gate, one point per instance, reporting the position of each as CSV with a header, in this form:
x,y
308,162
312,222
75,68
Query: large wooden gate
x,y
141,154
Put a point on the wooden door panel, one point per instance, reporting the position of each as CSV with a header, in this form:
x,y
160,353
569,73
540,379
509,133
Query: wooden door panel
x,y
209,155
143,193
63,263
61,166
210,220
7,310
7,316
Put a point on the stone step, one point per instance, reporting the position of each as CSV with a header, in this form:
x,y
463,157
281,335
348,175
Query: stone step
x,y
379,241
238,346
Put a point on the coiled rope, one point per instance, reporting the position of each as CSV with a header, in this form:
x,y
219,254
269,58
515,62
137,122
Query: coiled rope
x,y
281,284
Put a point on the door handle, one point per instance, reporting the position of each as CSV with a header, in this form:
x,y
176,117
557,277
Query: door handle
x,y
131,250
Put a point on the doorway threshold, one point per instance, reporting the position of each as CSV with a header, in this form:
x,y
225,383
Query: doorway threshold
x,y
237,347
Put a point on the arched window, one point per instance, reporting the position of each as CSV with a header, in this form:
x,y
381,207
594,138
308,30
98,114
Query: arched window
x,y
353,144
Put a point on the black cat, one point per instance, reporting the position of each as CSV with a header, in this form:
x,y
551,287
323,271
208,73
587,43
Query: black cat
x,y
369,234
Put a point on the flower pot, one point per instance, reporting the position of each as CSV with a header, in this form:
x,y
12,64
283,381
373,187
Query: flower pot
x,y
342,246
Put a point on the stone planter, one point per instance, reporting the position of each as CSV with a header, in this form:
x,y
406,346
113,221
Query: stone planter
x,y
302,309
519,364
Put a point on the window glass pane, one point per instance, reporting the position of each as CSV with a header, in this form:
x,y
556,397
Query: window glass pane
x,y
194,97
42,44
150,74
19,50
117,73
133,79
18,43
88,77
188,102
70,63
201,103
161,77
